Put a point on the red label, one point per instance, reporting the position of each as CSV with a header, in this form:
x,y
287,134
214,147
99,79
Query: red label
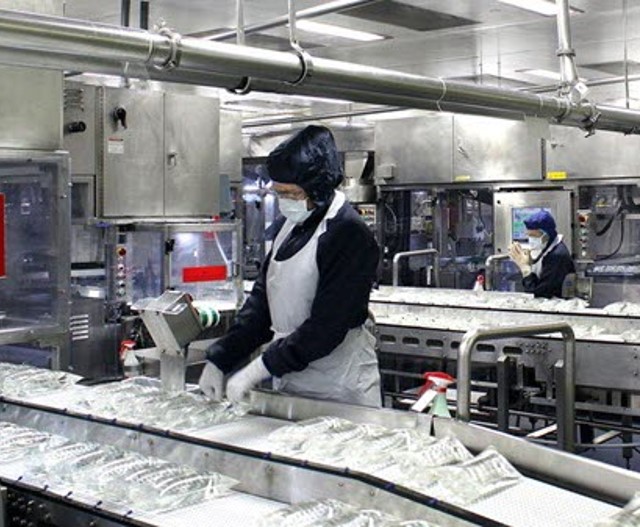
x,y
3,269
210,273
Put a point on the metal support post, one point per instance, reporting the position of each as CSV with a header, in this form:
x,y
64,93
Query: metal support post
x,y
504,383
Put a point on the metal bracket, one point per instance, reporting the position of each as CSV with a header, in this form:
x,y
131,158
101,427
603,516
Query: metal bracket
x,y
307,64
245,84
589,123
175,52
243,88
565,52
305,59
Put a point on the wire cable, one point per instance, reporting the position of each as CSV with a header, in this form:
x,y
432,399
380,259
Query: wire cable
x,y
617,249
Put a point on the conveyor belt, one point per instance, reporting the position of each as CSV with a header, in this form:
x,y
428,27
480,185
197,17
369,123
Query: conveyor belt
x,y
530,503
235,509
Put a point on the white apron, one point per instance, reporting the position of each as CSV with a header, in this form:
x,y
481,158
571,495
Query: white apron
x,y
350,372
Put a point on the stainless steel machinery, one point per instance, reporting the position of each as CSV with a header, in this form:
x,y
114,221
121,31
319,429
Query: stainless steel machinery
x,y
34,287
421,330
173,323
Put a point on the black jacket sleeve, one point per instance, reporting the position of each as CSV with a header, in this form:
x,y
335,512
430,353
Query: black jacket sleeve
x,y
252,325
347,260
251,328
555,267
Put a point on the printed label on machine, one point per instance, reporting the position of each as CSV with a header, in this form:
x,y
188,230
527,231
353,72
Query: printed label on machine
x,y
2,248
115,145
209,273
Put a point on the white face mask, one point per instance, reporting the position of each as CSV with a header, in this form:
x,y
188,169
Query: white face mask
x,y
294,209
535,243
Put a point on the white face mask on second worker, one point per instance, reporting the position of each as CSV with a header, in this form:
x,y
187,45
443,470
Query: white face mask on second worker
x,y
536,243
294,209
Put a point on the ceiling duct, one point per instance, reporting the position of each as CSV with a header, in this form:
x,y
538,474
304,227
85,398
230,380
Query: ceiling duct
x,y
61,43
394,13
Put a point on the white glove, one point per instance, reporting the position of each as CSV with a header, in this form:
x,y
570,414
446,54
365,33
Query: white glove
x,y
212,382
521,257
241,383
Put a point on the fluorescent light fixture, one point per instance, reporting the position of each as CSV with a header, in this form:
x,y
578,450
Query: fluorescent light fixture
x,y
337,31
545,74
311,98
542,7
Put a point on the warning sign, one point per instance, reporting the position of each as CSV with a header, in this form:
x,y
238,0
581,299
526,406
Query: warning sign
x,y
209,273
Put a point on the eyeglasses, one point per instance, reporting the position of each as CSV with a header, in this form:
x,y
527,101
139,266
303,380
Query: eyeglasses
x,y
297,195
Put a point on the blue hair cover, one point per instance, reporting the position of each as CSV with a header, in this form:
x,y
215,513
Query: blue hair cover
x,y
543,221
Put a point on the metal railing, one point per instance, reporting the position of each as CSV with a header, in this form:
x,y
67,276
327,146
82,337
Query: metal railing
x,y
565,372
488,266
411,254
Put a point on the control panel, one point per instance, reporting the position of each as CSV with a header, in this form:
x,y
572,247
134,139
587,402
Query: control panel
x,y
583,226
121,273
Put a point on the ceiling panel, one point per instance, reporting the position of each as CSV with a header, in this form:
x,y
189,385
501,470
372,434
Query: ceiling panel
x,y
407,16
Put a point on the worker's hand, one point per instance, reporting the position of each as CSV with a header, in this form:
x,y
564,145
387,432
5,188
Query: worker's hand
x,y
212,382
241,383
521,257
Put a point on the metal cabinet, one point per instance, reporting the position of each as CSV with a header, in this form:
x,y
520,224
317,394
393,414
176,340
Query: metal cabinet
x,y
490,149
78,126
191,182
415,150
231,150
133,153
605,154
30,114
152,154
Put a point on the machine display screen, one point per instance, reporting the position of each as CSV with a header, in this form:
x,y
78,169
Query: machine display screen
x,y
518,217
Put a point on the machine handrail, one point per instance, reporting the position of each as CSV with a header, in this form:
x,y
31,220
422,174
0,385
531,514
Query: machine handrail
x,y
488,269
566,428
420,252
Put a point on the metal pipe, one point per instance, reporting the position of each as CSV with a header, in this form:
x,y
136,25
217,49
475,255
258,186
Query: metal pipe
x,y
65,38
240,32
589,83
410,254
312,12
488,269
566,428
565,52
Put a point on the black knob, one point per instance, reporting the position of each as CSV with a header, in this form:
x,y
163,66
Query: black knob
x,y
75,127
120,116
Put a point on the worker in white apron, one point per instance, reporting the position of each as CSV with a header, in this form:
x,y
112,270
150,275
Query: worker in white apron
x,y
311,303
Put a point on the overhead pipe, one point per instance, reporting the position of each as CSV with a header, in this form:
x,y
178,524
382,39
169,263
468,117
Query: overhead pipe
x,y
566,53
312,12
214,63
588,83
